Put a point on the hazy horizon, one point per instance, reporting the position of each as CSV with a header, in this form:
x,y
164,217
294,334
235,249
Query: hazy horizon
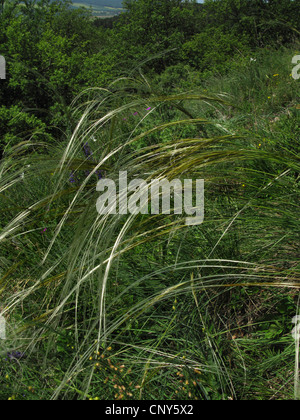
x,y
104,8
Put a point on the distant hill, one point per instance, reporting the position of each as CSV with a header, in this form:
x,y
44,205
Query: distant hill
x,y
104,3
101,8
104,8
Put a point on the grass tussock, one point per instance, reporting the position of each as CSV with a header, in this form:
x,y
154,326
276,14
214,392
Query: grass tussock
x,y
143,306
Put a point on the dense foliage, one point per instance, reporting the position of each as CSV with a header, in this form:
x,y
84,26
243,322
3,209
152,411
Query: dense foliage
x,y
53,52
146,307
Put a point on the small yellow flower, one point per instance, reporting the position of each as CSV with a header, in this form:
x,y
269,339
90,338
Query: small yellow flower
x,y
275,75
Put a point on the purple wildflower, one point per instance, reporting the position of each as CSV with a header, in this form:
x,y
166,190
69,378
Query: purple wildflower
x,y
87,151
148,109
15,355
72,178
100,175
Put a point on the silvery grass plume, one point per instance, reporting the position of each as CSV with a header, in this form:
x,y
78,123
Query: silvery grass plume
x,y
88,265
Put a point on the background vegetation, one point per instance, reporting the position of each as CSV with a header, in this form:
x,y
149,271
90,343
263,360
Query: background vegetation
x,y
144,307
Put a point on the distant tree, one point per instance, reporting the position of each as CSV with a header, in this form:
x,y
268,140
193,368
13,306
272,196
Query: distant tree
x,y
107,23
212,49
262,21
46,44
152,26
